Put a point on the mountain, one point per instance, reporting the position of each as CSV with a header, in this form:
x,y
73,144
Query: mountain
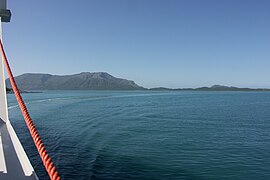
x,y
81,81
97,81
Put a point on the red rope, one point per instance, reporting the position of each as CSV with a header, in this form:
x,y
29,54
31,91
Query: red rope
x,y
47,161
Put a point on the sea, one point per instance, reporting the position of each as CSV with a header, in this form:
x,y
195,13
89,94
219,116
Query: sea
x,y
149,134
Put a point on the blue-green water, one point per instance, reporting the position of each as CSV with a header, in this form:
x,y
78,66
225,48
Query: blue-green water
x,y
150,135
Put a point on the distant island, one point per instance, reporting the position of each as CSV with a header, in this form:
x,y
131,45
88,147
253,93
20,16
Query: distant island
x,y
97,81
212,88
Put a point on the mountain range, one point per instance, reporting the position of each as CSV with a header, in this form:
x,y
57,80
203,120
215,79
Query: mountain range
x,y
81,81
98,81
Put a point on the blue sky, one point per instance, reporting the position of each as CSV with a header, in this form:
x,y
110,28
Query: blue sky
x,y
172,43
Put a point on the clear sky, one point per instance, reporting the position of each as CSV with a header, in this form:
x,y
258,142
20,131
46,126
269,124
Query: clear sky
x,y
172,43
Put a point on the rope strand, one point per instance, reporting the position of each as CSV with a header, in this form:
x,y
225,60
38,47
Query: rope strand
x,y
47,161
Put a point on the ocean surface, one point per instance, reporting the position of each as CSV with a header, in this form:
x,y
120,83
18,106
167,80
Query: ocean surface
x,y
149,135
